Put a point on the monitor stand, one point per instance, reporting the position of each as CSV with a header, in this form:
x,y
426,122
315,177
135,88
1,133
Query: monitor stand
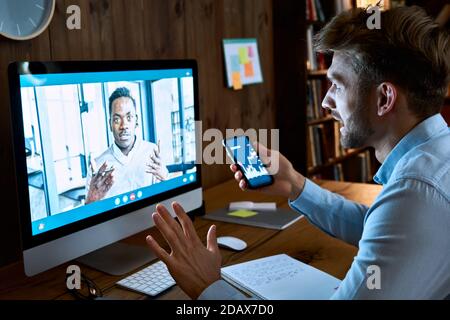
x,y
118,258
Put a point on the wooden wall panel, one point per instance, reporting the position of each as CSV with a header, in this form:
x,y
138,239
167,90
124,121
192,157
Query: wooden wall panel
x,y
164,29
209,22
203,44
151,29
95,39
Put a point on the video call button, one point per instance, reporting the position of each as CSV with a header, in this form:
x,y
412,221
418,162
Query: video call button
x,y
132,197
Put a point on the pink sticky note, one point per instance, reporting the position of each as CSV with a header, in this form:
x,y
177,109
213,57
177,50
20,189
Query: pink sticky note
x,y
250,52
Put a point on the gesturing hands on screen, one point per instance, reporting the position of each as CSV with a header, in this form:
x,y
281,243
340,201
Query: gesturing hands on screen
x,y
193,266
100,184
155,166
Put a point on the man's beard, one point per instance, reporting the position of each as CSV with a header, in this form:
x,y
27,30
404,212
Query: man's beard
x,y
358,127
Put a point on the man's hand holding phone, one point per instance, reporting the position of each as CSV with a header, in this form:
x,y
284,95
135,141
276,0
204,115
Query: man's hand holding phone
x,y
287,181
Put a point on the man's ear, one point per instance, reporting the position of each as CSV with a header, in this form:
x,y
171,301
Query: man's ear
x,y
137,120
386,98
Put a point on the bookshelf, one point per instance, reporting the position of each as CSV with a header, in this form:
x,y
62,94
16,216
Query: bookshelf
x,y
308,133
336,160
326,159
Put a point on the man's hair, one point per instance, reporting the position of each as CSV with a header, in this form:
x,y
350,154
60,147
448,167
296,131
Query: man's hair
x,y
410,50
120,93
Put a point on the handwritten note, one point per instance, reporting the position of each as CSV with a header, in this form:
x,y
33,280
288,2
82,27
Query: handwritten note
x,y
281,277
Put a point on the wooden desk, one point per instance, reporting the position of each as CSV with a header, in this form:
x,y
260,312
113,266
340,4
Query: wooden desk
x,y
301,240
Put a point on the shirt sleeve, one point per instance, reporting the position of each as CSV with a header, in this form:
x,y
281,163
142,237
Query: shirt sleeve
x,y
222,290
404,252
332,213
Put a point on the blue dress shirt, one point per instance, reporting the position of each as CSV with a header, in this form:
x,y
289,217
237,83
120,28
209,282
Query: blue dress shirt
x,y
406,231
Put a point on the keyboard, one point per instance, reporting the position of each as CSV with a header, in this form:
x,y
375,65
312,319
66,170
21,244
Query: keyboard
x,y
151,280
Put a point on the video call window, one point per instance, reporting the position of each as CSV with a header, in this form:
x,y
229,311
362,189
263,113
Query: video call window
x,y
68,126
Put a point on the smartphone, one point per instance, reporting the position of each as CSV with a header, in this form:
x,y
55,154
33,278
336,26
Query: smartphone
x,y
241,151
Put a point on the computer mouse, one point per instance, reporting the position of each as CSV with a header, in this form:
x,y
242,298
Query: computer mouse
x,y
232,243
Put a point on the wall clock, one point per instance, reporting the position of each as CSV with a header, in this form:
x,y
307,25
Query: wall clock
x,y
25,19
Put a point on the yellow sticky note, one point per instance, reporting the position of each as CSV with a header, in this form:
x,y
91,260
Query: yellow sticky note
x,y
249,71
237,82
243,213
243,55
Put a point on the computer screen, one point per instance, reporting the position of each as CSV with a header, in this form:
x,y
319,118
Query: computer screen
x,y
97,140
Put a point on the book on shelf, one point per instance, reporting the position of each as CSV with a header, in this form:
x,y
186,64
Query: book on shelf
x,y
338,149
323,145
358,168
342,5
338,172
314,11
324,10
316,61
324,149
315,91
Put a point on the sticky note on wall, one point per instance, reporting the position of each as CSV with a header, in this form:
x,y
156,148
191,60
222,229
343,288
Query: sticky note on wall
x,y
235,63
248,69
237,81
250,52
243,55
241,62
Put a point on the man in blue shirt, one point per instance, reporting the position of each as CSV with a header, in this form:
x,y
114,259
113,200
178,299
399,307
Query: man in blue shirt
x,y
387,89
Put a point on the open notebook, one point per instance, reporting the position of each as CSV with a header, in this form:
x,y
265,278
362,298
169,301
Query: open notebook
x,y
281,277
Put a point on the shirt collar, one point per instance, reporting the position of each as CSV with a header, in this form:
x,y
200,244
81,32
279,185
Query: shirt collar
x,y
420,134
118,154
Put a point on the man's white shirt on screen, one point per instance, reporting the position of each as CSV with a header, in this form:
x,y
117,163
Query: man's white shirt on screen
x,y
129,170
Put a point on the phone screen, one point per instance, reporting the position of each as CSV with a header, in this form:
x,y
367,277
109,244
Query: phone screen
x,y
244,155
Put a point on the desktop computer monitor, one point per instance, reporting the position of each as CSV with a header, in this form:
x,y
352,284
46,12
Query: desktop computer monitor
x,y
97,144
